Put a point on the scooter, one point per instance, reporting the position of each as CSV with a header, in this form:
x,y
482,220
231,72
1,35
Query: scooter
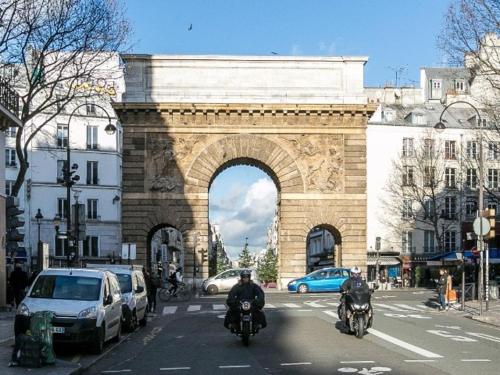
x,y
358,310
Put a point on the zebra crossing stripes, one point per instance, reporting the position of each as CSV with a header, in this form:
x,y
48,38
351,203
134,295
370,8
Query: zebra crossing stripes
x,y
389,307
194,308
168,310
292,305
219,307
269,306
314,304
408,307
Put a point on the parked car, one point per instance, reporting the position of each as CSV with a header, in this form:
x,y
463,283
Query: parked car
x,y
323,280
224,281
134,293
87,305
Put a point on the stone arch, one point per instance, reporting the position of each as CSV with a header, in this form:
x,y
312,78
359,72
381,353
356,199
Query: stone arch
x,y
245,149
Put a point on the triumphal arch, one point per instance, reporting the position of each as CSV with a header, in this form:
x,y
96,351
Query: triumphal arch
x,y
300,119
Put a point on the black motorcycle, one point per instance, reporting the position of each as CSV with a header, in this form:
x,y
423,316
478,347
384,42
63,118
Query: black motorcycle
x,y
247,328
359,313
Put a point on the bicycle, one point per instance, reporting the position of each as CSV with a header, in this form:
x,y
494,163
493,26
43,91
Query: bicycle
x,y
182,294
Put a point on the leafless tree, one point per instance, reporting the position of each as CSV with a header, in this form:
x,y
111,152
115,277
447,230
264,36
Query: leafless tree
x,y
58,53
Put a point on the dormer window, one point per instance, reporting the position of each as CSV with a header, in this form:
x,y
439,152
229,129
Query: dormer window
x,y
416,118
388,115
436,89
460,85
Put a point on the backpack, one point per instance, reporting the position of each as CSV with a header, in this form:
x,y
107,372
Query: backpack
x,y
29,353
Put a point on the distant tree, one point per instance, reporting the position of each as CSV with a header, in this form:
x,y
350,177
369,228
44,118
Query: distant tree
x,y
267,268
245,258
56,55
220,260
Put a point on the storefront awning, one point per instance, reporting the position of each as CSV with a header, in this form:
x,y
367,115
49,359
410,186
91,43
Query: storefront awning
x,y
383,261
454,256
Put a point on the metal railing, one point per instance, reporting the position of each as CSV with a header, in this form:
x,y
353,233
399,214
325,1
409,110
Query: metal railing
x,y
9,98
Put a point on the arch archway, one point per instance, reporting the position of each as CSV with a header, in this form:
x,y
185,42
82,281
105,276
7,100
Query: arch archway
x,y
323,247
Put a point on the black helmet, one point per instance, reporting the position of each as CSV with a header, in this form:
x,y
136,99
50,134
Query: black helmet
x,y
246,273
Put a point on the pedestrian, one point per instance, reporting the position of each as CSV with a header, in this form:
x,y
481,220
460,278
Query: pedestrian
x,y
441,288
449,287
19,281
405,280
151,285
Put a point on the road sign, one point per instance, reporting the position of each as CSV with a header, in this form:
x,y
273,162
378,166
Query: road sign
x,y
481,230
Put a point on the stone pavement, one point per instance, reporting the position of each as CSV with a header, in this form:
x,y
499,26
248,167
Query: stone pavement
x,y
492,316
6,347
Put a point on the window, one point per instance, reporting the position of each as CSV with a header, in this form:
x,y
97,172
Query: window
x,y
61,208
11,132
493,178
92,177
407,241
90,109
450,240
408,150
450,177
407,176
460,85
450,152
436,92
428,148
10,157
92,137
60,104
62,247
9,184
61,166
472,150
450,207
62,136
429,173
471,178
470,208
91,246
493,151
419,119
430,209
407,211
92,209
429,241
388,115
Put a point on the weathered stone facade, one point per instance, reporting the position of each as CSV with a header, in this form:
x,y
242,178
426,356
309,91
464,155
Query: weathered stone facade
x,y
315,154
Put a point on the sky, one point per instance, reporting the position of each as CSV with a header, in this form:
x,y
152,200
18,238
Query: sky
x,y
396,35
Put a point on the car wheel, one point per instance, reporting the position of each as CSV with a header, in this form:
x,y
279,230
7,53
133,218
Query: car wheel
x,y
212,289
97,345
303,288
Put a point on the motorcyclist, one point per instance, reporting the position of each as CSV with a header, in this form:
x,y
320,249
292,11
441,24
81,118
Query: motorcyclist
x,y
245,289
175,278
355,282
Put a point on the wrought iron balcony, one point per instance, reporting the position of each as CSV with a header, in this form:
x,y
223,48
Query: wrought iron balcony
x,y
9,101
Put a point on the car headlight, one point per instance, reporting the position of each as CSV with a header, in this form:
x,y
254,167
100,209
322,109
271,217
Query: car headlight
x,y
23,310
89,313
293,282
355,306
246,305
365,306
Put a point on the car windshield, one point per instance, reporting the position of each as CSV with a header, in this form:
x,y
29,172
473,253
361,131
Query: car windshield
x,y
317,273
125,282
67,287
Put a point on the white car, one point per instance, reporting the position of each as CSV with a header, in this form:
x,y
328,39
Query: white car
x,y
224,281
87,305
134,292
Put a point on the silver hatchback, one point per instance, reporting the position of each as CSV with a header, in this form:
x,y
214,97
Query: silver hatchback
x,y
224,281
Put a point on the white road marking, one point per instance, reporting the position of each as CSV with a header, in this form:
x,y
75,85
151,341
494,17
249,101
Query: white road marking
x,y
448,327
194,308
403,344
174,368
292,305
484,336
408,307
169,310
333,303
235,366
221,316
7,339
346,362
331,313
314,304
304,310
475,360
115,371
451,336
296,364
219,307
269,306
393,308
419,360
414,316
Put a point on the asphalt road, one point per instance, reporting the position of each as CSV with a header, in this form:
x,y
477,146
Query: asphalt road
x,y
303,336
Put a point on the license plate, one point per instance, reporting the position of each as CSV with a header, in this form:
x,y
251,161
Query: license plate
x,y
246,318
58,329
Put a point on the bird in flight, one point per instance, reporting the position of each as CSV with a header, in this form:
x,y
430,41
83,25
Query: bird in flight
x,y
190,27
274,53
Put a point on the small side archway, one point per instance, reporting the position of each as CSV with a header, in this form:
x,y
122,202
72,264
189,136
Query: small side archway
x,y
170,238
323,245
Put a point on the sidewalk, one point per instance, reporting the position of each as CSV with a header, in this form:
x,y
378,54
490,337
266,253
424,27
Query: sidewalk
x,y
6,347
492,316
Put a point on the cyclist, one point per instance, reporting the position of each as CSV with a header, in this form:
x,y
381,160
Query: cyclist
x,y
175,278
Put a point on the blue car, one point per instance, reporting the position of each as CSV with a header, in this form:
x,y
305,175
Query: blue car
x,y
323,280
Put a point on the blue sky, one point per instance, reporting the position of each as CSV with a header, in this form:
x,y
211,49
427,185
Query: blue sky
x,y
394,34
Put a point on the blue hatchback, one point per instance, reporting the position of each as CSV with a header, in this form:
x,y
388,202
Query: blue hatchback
x,y
323,280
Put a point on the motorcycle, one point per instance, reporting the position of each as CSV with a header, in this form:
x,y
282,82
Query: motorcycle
x,y
247,328
358,310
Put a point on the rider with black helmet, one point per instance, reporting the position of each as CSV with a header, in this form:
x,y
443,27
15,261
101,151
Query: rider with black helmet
x,y
245,289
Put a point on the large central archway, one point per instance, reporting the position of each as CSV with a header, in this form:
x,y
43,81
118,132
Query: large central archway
x,y
315,154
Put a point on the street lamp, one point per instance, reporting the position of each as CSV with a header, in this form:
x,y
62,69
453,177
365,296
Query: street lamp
x,y
439,127
39,218
69,180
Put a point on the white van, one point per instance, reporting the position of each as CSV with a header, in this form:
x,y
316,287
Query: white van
x,y
134,292
87,305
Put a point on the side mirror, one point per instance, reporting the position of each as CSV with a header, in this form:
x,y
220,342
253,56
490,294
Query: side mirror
x,y
139,289
108,300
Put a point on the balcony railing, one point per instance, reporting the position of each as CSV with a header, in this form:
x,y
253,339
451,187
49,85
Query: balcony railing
x,y
9,98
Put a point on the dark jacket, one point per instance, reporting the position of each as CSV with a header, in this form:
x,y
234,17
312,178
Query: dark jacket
x,y
18,279
354,283
249,291
443,280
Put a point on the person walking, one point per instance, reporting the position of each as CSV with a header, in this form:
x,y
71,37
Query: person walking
x,y
449,287
18,281
442,287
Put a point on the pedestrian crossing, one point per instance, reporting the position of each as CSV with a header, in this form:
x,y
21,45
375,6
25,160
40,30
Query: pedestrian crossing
x,y
394,308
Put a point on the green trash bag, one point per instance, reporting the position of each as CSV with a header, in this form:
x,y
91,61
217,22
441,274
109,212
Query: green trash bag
x,y
41,329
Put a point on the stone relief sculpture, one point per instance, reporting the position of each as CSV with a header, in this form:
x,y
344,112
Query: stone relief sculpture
x,y
166,155
324,164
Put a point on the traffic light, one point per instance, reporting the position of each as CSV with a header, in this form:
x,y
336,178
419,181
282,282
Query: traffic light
x,y
13,236
204,255
377,243
491,218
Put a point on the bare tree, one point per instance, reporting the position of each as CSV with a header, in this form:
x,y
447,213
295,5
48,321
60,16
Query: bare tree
x,y
420,192
58,53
